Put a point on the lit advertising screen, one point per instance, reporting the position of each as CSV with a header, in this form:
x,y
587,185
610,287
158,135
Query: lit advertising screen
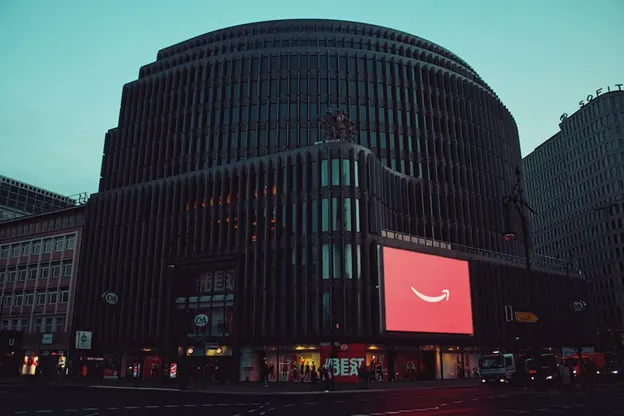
x,y
426,293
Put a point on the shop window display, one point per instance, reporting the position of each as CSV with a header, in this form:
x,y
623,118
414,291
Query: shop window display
x,y
292,366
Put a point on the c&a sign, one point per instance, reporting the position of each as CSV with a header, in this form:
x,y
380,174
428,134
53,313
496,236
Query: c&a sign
x,y
349,357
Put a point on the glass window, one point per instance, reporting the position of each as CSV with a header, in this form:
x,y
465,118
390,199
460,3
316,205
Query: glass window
x,y
325,261
41,298
29,299
348,261
52,297
326,310
336,261
346,172
64,296
59,244
26,249
56,270
67,269
335,218
32,274
36,248
357,215
324,173
60,324
45,272
335,172
39,325
347,214
356,173
358,262
47,246
18,300
325,215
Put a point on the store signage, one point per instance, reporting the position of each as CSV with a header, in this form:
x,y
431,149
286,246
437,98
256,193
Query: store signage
x,y
590,97
426,293
83,340
46,339
220,281
348,359
598,92
201,320
111,298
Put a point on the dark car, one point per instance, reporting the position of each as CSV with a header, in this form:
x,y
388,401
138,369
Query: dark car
x,y
613,371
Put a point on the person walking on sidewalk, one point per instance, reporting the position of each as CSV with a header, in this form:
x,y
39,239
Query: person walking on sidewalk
x,y
264,373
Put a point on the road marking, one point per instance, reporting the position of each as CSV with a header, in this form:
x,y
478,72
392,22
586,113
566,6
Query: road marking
x,y
490,397
93,414
190,405
151,407
71,410
90,409
262,413
44,411
21,412
207,405
458,401
171,405
251,411
289,405
473,400
130,407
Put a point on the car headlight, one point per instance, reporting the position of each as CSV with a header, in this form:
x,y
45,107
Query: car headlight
x,y
549,378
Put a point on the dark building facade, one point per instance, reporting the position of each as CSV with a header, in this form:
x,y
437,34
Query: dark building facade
x,y
575,183
219,186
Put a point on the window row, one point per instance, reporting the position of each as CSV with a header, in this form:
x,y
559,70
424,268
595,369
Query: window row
x,y
43,271
34,248
36,298
42,325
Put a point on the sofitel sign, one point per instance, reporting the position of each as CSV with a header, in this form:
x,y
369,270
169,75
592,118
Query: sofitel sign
x,y
590,97
598,92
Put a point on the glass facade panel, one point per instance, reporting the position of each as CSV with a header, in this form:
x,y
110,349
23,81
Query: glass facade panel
x,y
325,270
324,214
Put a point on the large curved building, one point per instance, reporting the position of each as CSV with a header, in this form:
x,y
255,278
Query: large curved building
x,y
221,185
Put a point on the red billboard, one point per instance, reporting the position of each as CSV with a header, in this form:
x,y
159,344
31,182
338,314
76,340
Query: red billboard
x,y
349,357
426,293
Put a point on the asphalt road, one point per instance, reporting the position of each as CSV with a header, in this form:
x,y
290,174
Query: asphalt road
x,y
83,401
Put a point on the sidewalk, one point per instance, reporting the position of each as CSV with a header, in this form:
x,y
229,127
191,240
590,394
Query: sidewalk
x,y
250,388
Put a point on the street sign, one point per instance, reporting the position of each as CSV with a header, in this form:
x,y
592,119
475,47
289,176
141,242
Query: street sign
x,y
83,340
509,316
526,317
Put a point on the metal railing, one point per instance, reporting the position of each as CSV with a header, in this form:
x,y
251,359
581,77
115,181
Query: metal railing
x,y
539,262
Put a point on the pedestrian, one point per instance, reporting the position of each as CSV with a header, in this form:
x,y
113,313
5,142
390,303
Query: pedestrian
x,y
264,372
564,372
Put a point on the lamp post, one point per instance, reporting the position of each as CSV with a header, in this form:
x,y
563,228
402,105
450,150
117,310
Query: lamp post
x,y
515,199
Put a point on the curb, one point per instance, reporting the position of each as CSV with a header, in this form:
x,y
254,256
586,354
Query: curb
x,y
269,391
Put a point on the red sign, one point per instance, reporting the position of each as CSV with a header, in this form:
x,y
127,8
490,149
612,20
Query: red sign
x,y
349,357
426,293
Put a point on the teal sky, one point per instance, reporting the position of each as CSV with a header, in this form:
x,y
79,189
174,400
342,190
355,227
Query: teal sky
x,y
64,62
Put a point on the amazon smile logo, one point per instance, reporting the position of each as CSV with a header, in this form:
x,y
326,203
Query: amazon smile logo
x,y
446,294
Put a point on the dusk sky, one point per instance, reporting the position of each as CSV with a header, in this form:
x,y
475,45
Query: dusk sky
x,y
64,62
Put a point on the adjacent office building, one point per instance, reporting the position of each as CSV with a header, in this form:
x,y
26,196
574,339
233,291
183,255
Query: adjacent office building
x,y
38,266
575,184
234,225
19,198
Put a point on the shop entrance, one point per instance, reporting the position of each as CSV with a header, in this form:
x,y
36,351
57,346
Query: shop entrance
x,y
209,369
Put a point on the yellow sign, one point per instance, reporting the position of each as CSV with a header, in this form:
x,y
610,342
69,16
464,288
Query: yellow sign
x,y
526,317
